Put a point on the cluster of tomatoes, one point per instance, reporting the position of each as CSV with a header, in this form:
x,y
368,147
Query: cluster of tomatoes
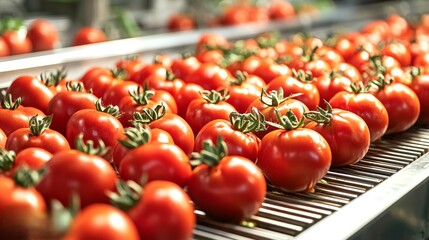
x,y
206,131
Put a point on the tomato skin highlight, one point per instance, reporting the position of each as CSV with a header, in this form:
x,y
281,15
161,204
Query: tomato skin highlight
x,y
164,205
231,191
294,160
347,135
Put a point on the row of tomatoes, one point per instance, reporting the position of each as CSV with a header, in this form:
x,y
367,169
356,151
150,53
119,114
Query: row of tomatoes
x,y
193,131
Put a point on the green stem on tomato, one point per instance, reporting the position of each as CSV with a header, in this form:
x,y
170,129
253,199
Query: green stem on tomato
x,y
248,122
112,110
211,154
320,116
89,148
148,115
136,136
141,97
38,125
128,194
8,103
214,96
7,159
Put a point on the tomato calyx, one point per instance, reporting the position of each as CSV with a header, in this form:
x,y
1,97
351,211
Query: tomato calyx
x,y
320,116
240,78
210,154
268,40
214,96
118,73
136,136
38,125
148,115
248,122
289,121
275,97
110,109
376,62
358,88
26,177
75,86
170,76
11,24
128,194
413,72
141,98
381,82
53,78
8,103
303,76
7,159
62,216
308,57
89,148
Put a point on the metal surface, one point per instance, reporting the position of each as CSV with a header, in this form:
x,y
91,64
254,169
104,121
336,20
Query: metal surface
x,y
384,196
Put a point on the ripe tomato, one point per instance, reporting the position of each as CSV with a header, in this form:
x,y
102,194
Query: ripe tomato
x,y
300,83
22,210
99,79
268,70
398,51
295,159
329,85
226,188
17,42
244,90
164,205
156,70
4,48
32,157
349,71
213,40
183,67
13,116
210,76
156,161
114,94
186,94
401,102
101,221
88,35
281,10
32,91
366,106
43,35
211,106
130,64
420,85
180,22
74,172
39,135
346,133
96,124
3,138
64,104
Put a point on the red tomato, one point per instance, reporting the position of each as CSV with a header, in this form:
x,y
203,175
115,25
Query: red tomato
x,y
64,104
420,85
88,35
162,96
4,48
73,172
32,91
3,138
269,70
183,67
43,35
186,94
281,10
300,83
156,161
131,64
213,40
349,71
227,188
13,116
38,135
210,76
22,210
96,124
402,105
180,22
214,56
156,70
203,110
17,42
164,205
244,90
114,94
101,221
398,51
32,157
99,79
294,160
346,133
366,106
329,85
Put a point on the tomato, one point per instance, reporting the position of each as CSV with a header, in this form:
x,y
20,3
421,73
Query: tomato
x,y
43,35
366,106
421,60
164,205
39,135
214,40
269,70
64,104
74,172
244,90
398,51
156,161
281,10
23,210
32,157
300,83
211,106
88,35
214,56
96,124
180,22
4,48
99,79
227,188
349,71
156,70
101,221
294,160
329,55
183,67
17,42
32,91
210,76
114,94
346,133
178,128
402,105
130,64
186,94
329,85
169,83
3,138
420,85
